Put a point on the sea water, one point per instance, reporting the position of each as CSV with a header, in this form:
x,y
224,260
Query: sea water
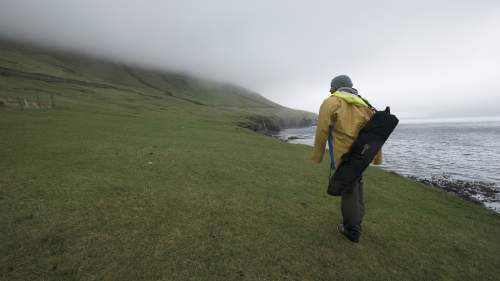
x,y
467,151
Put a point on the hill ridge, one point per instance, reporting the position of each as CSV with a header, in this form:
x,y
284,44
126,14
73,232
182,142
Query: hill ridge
x,y
65,69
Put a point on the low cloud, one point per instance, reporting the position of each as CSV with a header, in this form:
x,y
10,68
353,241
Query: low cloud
x,y
431,58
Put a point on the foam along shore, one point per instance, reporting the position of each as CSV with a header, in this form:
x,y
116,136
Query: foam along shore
x,y
485,193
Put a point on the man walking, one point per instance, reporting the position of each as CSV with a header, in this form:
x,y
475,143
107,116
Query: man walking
x,y
341,116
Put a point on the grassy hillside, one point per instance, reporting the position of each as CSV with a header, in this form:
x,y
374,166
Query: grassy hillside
x,y
123,182
66,75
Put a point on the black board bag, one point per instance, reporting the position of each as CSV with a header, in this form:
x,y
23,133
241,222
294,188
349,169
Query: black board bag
x,y
362,152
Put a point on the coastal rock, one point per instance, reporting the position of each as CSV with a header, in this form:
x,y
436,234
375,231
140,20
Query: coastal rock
x,y
474,191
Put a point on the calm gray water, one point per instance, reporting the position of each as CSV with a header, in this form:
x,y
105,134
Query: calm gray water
x,y
467,151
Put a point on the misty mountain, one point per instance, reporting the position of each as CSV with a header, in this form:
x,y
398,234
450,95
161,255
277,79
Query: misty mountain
x,y
66,69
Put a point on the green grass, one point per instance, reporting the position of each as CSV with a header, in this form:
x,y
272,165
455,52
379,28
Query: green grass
x,y
116,185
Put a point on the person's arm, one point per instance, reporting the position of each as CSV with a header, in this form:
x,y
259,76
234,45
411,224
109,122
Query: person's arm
x,y
326,119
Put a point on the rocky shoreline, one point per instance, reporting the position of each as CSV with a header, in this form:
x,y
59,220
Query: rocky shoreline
x,y
272,126
475,191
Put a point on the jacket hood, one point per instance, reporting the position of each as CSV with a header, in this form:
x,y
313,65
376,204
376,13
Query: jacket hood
x,y
351,96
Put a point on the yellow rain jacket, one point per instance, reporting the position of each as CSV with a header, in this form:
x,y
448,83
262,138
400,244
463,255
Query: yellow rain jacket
x,y
346,113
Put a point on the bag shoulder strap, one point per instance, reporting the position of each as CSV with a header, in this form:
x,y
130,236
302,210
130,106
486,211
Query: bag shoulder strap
x,y
330,150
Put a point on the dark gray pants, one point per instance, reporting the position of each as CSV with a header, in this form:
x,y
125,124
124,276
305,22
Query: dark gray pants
x,y
353,208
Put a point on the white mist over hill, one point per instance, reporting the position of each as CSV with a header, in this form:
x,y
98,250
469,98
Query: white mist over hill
x,y
429,58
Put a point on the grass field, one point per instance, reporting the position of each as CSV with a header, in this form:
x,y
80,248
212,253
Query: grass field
x,y
124,182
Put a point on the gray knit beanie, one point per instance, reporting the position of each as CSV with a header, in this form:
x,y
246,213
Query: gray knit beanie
x,y
339,82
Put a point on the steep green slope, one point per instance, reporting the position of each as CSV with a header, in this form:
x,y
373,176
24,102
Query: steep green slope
x,y
118,182
30,64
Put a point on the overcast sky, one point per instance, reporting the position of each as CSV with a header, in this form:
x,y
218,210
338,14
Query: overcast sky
x,y
424,58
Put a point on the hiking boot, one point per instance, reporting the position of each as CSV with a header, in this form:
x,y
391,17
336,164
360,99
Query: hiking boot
x,y
353,236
